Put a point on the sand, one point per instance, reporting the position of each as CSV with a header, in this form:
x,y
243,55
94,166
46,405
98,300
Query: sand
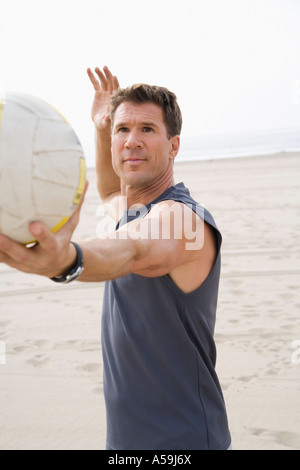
x,y
51,394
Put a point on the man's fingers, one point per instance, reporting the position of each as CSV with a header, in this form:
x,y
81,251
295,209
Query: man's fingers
x,y
113,82
4,258
43,236
116,83
47,255
11,251
93,79
109,82
109,78
102,78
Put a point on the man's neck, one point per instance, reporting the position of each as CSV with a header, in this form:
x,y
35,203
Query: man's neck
x,y
144,195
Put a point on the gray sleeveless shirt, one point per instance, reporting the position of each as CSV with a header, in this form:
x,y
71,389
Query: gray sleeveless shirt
x,y
159,356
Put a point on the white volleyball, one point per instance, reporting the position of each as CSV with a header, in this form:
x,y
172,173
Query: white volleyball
x,y
42,167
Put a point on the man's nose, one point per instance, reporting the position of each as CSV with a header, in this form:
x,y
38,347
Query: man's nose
x,y
133,141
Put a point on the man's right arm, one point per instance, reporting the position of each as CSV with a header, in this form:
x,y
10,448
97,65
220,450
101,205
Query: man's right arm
x,y
108,183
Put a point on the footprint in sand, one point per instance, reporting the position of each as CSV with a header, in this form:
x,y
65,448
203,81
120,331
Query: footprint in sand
x,y
284,438
43,344
41,362
93,367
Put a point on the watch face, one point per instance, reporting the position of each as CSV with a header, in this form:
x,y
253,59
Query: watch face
x,y
75,275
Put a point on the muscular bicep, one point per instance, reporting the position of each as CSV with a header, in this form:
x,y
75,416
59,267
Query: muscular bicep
x,y
170,236
162,243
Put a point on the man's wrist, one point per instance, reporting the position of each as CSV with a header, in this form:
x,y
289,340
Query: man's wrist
x,y
74,268
71,260
104,132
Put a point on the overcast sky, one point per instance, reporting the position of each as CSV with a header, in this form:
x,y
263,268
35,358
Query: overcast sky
x,y
234,64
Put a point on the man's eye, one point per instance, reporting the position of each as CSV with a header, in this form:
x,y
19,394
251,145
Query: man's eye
x,y
147,129
123,129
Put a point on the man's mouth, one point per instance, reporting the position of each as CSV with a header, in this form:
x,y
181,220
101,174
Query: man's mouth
x,y
134,160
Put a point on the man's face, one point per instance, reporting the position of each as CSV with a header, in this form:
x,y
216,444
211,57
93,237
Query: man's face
x,y
141,150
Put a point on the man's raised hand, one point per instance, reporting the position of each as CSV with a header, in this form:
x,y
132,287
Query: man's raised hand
x,y
104,86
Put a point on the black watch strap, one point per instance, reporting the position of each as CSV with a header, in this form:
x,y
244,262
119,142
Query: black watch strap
x,y
75,271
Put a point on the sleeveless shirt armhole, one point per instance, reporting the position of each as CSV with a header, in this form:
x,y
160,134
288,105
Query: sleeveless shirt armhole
x,y
199,290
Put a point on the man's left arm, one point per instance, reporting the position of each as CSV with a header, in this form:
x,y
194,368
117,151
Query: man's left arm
x,y
140,247
170,236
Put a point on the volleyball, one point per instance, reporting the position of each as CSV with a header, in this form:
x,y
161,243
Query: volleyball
x,y
42,167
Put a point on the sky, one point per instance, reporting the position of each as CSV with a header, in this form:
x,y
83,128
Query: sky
x,y
233,64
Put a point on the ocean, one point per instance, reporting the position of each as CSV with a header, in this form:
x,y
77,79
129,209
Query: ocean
x,y
229,145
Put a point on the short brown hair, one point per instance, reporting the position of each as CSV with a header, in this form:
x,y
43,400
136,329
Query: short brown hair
x,y
142,93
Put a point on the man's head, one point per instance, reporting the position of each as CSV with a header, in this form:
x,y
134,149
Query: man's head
x,y
146,123
142,93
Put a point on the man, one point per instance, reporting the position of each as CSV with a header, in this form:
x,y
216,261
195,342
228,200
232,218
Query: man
x,y
162,267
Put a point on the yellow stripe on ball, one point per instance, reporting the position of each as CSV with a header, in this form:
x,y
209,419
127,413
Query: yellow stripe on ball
x,y
60,225
81,183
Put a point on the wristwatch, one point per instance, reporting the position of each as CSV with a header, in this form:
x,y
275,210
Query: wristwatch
x,y
75,271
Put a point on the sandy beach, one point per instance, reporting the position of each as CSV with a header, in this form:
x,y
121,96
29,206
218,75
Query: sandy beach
x,y
51,394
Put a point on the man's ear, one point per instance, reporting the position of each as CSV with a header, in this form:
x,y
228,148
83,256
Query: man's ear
x,y
174,146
